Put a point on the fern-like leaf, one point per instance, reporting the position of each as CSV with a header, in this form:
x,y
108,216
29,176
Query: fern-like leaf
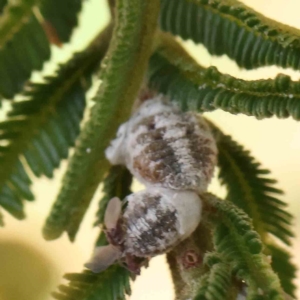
x,y
24,34
216,283
250,188
111,284
116,184
61,17
240,245
174,73
23,46
43,127
230,27
121,76
282,265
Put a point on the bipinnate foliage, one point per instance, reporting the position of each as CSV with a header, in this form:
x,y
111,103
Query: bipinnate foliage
x,y
41,128
281,264
111,284
237,259
114,282
26,29
230,27
250,188
61,17
241,244
216,283
174,73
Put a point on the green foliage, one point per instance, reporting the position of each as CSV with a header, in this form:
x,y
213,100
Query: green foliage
x,y
2,5
111,284
61,16
42,127
215,285
229,27
127,58
241,247
250,188
22,40
235,236
24,44
282,265
116,184
174,73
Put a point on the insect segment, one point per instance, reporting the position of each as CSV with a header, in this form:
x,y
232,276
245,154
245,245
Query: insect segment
x,y
165,147
153,221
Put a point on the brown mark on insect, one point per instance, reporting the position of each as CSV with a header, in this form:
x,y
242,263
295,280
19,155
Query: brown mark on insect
x,y
152,226
174,152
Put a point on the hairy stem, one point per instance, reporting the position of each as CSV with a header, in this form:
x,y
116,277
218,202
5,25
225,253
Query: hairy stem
x,y
122,74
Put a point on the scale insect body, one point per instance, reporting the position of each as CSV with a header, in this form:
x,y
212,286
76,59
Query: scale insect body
x,y
165,147
173,154
153,221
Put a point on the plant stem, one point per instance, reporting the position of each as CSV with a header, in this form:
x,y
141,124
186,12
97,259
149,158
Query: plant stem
x,y
122,75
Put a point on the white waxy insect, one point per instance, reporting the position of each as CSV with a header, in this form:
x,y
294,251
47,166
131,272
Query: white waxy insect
x,y
153,222
165,147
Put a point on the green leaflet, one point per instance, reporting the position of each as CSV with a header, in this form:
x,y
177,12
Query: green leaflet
x,y
216,283
116,184
230,27
250,188
2,5
174,73
111,284
121,75
282,265
24,45
237,242
62,16
43,127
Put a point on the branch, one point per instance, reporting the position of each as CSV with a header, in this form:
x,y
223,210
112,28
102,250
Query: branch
x,y
122,74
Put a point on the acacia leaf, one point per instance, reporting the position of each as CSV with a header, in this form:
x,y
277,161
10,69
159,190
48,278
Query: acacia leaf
x,y
230,27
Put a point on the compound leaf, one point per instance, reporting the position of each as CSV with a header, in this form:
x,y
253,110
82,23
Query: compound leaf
x,y
230,27
112,284
250,188
174,73
41,128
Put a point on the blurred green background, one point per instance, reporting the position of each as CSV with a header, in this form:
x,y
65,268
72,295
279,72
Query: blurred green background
x,y
31,268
